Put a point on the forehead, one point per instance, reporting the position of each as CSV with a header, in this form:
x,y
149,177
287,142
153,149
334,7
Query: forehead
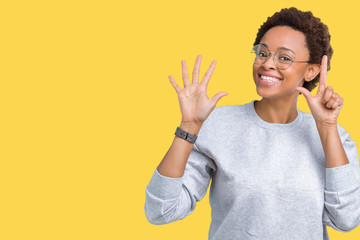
x,y
285,37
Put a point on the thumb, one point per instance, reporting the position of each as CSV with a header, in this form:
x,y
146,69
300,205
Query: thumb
x,y
305,92
217,97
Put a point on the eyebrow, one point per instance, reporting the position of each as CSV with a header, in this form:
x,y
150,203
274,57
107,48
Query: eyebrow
x,y
281,48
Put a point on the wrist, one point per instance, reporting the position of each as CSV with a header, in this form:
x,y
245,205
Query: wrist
x,y
191,127
326,131
326,126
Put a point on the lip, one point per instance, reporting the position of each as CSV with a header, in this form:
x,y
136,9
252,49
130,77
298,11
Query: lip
x,y
262,82
270,75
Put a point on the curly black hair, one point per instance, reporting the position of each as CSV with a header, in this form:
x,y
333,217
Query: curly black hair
x,y
316,33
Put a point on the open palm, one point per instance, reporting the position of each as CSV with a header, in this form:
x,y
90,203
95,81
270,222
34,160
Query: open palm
x,y
195,105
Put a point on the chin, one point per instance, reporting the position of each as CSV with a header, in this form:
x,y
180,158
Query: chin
x,y
265,94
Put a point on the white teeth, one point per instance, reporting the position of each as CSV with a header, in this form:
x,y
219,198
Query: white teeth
x,y
269,79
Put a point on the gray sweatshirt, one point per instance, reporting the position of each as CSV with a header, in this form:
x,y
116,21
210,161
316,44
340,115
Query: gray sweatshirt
x,y
268,180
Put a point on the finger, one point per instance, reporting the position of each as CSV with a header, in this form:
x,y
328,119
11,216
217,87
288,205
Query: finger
x,y
327,95
332,100
305,92
323,75
175,85
217,97
339,101
185,75
208,74
196,71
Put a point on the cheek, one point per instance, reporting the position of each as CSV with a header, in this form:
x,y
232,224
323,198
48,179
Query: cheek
x,y
298,74
293,75
255,70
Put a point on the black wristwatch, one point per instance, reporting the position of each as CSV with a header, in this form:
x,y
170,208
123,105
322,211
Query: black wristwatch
x,y
185,135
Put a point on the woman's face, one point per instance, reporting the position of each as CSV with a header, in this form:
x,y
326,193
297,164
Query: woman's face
x,y
275,38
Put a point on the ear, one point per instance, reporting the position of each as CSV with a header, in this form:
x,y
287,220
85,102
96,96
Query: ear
x,y
312,71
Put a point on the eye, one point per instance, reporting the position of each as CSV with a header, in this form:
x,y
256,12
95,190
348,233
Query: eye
x,y
285,59
262,54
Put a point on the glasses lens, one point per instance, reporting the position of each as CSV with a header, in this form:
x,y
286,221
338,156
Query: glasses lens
x,y
283,59
259,54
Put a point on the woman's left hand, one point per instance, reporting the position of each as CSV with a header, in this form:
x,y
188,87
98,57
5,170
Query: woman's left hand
x,y
326,105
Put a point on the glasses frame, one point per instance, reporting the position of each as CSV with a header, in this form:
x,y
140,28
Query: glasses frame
x,y
269,55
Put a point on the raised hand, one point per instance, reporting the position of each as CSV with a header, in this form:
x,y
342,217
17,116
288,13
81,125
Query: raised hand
x,y
326,105
195,105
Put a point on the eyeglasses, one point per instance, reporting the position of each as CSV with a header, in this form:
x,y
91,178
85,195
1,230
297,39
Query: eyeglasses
x,y
282,60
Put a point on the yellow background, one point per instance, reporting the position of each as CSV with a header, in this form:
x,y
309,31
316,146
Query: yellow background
x,y
87,110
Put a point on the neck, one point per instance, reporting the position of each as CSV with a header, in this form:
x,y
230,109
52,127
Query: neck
x,y
277,110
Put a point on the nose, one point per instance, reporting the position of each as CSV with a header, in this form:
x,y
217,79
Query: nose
x,y
269,63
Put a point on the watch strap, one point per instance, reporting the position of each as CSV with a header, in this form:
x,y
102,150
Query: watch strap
x,y
185,135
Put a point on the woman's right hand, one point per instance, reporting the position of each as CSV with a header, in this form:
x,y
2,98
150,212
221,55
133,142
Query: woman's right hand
x,y
195,105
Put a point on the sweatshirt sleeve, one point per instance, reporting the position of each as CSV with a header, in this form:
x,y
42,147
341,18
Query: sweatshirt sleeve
x,y
170,199
342,190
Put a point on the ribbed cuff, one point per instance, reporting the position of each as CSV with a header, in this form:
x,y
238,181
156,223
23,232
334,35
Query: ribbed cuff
x,y
163,187
342,178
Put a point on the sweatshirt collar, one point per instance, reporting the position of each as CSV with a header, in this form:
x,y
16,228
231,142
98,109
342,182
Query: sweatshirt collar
x,y
254,117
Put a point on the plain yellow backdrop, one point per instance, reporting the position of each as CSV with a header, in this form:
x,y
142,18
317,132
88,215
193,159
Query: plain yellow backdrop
x,y
87,110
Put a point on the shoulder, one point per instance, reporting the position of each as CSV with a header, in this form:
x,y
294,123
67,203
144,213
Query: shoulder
x,y
223,116
309,123
308,120
228,112
344,135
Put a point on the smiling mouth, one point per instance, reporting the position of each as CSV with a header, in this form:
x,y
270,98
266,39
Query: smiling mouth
x,y
269,79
